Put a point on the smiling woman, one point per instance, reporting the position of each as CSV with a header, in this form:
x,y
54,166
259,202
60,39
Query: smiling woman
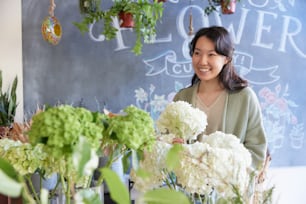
x,y
222,94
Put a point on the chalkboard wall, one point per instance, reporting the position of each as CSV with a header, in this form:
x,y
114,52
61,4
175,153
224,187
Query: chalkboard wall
x,y
82,70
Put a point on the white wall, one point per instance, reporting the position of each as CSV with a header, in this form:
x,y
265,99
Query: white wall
x,y
290,184
11,48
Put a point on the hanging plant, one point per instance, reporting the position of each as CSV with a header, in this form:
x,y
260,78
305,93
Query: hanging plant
x,y
145,15
227,6
126,19
89,6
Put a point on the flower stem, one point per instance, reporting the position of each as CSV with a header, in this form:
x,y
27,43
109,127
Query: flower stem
x,y
29,180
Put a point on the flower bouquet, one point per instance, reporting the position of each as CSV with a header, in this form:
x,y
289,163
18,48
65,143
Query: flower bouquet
x,y
67,141
217,168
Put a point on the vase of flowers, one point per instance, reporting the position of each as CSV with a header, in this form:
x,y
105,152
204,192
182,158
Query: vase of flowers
x,y
219,159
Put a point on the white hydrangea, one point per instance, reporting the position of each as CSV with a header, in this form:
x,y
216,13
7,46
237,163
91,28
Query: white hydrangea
x,y
183,120
220,160
192,174
153,164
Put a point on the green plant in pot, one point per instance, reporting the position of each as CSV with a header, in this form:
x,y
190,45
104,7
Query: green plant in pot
x,y
88,6
8,105
145,14
227,6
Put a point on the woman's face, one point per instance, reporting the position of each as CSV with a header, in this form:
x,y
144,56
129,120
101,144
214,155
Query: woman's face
x,y
207,63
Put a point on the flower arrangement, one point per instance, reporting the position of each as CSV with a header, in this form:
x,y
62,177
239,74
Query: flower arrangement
x,y
27,160
220,160
67,140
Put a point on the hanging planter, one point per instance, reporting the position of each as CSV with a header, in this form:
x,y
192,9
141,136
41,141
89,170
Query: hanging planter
x,y
126,20
145,13
89,6
228,6
222,6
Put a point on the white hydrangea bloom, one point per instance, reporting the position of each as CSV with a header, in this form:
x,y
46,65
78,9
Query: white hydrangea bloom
x,y
220,160
153,163
183,120
192,174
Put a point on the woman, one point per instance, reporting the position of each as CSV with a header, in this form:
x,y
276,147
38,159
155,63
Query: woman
x,y
230,105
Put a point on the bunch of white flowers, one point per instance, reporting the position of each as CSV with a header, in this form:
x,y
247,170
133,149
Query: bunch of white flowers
x,y
219,163
220,160
182,120
153,164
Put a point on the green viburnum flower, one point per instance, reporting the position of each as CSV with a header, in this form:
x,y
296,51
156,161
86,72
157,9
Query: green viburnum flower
x,y
135,128
24,157
60,128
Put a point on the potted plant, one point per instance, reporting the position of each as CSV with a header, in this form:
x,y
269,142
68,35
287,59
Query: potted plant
x,y
145,16
87,6
8,105
227,6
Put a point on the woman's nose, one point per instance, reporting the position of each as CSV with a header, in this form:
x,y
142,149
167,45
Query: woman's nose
x,y
203,59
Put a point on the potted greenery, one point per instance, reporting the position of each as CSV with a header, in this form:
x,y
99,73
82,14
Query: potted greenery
x,y
8,106
87,6
227,6
145,15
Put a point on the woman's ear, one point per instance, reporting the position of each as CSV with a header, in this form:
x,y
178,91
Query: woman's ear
x,y
227,60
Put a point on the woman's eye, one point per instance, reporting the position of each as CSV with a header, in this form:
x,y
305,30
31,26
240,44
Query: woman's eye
x,y
212,54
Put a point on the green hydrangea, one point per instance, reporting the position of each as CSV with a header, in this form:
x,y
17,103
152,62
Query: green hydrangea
x,y
24,157
60,128
135,128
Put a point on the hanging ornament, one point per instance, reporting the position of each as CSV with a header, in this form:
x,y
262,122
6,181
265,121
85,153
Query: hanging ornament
x,y
190,27
51,28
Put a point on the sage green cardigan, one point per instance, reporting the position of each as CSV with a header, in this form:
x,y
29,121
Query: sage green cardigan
x,y
242,118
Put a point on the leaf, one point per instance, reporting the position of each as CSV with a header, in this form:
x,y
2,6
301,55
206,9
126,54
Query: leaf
x,y
173,156
126,161
165,196
14,87
81,156
118,191
0,82
8,169
8,186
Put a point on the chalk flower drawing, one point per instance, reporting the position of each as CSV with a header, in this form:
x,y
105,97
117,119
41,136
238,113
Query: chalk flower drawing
x,y
279,119
154,103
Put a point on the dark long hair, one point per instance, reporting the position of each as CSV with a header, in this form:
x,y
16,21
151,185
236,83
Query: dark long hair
x,y
223,46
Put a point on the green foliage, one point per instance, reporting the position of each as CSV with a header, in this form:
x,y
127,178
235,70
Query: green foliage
x,y
165,196
87,6
8,103
213,4
10,184
117,188
173,157
89,196
81,156
145,14
267,195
